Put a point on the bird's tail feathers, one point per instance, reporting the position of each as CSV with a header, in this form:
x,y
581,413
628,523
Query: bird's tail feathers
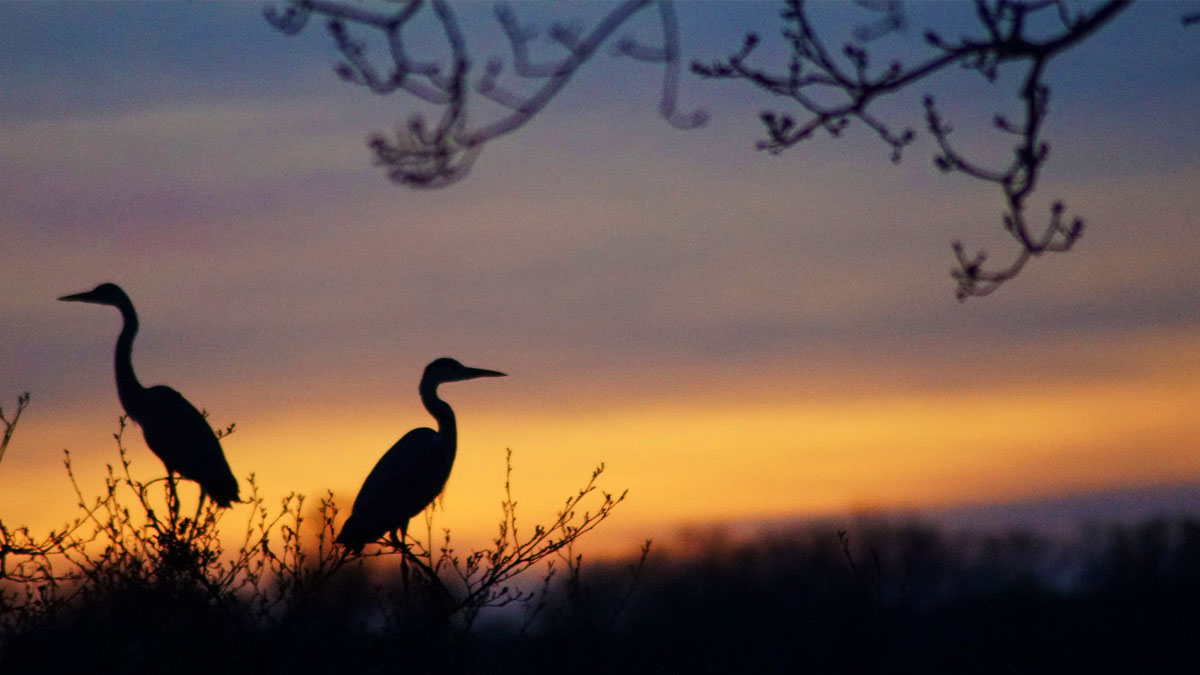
x,y
353,536
225,494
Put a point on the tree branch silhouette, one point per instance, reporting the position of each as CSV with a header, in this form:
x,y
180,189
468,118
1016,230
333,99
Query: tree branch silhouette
x,y
24,558
831,87
11,425
438,153
835,89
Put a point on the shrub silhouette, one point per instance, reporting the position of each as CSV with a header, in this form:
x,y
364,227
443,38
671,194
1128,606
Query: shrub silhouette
x,y
137,580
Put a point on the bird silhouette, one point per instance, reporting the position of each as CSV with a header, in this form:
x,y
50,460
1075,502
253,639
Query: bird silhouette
x,y
173,428
414,471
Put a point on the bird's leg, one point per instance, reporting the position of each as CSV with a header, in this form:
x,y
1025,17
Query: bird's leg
x,y
172,502
399,544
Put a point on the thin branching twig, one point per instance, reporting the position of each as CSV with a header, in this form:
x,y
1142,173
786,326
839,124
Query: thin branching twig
x,y
11,425
835,88
430,154
462,585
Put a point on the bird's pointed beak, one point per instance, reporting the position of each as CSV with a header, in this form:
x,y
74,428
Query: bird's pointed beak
x,y
472,373
77,297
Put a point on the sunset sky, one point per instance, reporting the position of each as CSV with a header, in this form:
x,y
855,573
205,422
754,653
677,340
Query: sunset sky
x,y
736,335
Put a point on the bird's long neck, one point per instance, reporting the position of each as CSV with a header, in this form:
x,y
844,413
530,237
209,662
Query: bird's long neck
x,y
447,428
129,390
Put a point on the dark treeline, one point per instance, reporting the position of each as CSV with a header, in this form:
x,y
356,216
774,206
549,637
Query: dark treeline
x,y
910,599
880,597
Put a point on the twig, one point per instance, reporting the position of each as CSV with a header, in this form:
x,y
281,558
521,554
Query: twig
x,y
430,155
11,425
815,74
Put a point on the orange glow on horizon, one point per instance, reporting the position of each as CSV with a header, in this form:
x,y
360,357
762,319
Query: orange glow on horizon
x,y
708,457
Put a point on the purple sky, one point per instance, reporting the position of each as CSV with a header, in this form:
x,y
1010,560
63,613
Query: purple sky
x,y
216,169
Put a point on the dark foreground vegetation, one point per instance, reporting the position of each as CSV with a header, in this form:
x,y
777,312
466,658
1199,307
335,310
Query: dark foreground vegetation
x,y
1119,599
138,584
906,598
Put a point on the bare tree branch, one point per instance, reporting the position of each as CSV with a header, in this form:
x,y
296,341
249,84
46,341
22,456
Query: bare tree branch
x,y
832,86
814,75
421,154
11,425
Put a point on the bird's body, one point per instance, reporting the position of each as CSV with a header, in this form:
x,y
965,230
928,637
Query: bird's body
x,y
414,471
174,430
391,495
183,440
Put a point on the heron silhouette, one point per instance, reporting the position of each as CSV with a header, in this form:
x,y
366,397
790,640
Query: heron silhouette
x,y
173,428
414,471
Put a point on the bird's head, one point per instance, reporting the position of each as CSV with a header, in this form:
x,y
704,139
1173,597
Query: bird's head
x,y
104,294
448,370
